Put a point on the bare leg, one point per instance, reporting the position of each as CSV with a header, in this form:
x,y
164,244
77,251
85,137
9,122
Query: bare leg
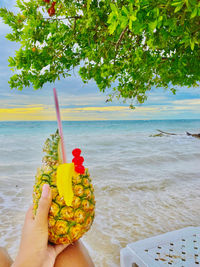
x,y
75,255
5,260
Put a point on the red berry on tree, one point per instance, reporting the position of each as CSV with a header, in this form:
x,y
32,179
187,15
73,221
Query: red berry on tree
x,y
53,4
76,152
78,160
51,11
80,169
46,1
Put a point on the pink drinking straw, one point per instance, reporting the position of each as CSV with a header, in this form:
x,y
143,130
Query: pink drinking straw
x,y
59,125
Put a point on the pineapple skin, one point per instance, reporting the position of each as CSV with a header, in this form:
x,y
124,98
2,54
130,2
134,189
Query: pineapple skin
x,y
66,224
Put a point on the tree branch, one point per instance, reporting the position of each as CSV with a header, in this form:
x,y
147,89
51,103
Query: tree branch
x,y
73,17
120,38
166,132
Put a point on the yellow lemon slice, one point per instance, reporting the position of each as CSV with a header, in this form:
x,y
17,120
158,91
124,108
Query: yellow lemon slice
x,y
64,182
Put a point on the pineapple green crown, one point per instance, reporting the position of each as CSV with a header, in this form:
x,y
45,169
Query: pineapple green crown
x,y
53,157
51,148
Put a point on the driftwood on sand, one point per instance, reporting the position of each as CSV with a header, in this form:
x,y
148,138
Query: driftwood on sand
x,y
162,133
194,135
166,132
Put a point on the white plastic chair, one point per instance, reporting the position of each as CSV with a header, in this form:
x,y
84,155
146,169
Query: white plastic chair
x,y
180,248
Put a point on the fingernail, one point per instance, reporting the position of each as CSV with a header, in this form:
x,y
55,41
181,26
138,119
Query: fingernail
x,y
45,191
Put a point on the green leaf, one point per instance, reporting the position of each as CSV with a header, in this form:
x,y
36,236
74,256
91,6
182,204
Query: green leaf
x,y
192,43
187,3
125,10
130,25
160,18
176,3
194,13
114,8
12,62
111,18
178,8
152,25
173,90
88,4
124,22
133,17
11,37
132,107
113,27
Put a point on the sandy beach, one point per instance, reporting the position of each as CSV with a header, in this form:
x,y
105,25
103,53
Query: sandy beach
x,y
144,186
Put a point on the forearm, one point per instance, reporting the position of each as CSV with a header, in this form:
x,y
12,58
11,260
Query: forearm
x,y
19,264
26,260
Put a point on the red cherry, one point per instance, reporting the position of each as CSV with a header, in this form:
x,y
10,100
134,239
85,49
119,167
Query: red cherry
x,y
78,160
80,169
51,10
76,152
46,1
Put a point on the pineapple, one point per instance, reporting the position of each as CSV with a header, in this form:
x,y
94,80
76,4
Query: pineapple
x,y
66,223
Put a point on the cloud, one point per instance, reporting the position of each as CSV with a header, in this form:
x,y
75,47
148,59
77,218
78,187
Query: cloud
x,y
45,97
28,113
47,112
187,102
98,109
41,112
24,111
187,108
89,107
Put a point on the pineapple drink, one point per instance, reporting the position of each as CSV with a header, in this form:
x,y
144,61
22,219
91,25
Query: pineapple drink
x,y
72,209
67,223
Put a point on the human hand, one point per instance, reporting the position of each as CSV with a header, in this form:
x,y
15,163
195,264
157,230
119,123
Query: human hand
x,y
34,249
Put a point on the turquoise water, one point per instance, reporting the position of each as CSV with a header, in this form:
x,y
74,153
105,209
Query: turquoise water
x,y
96,126
143,185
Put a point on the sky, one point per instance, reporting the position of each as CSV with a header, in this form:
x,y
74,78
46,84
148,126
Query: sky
x,y
79,101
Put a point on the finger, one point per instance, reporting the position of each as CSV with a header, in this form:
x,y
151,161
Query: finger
x,y
41,217
29,214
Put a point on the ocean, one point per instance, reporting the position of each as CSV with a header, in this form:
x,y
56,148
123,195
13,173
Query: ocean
x,y
144,185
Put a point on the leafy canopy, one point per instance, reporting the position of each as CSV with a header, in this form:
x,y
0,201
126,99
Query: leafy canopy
x,y
129,44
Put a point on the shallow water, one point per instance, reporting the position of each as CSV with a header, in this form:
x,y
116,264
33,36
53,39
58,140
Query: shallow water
x,y
143,185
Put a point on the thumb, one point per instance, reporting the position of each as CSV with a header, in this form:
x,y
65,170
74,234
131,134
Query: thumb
x,y
41,217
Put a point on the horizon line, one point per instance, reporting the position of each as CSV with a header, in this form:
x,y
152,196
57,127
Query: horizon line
x,y
97,120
